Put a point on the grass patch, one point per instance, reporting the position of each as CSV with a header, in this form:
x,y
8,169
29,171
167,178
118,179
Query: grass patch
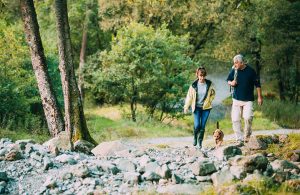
x,y
107,129
283,151
107,124
284,113
22,134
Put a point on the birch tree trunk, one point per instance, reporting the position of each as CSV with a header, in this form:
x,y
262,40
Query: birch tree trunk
x,y
74,116
50,105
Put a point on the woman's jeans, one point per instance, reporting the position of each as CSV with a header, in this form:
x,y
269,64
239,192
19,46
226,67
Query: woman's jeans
x,y
200,119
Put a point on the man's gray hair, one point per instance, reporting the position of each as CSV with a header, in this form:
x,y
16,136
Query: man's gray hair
x,y
238,58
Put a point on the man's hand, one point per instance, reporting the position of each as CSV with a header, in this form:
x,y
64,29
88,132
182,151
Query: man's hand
x,y
260,100
232,83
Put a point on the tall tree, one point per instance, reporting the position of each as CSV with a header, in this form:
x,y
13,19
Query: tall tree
x,y
74,115
83,52
51,109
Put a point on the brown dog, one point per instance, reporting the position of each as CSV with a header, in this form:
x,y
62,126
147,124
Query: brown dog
x,y
218,136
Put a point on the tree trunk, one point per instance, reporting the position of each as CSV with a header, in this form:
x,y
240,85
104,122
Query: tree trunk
x,y
74,115
50,105
133,102
280,82
82,55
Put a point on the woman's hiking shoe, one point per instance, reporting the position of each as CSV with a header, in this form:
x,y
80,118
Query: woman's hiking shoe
x,y
195,140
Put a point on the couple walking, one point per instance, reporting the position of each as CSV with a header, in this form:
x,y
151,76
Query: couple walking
x,y
242,78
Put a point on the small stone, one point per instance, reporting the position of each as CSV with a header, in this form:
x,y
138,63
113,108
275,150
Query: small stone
x,y
3,176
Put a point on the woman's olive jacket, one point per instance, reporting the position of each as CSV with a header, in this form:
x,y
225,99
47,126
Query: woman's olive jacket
x,y
191,96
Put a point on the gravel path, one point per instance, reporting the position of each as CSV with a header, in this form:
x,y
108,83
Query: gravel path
x,y
187,141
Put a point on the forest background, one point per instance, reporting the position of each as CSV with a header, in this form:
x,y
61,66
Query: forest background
x,y
134,61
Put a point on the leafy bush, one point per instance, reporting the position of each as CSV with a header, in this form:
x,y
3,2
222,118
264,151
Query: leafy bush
x,y
144,66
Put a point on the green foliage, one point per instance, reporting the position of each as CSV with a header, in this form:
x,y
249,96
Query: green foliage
x,y
281,20
53,70
18,88
147,65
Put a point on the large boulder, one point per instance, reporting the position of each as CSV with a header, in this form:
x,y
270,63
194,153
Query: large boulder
x,y
251,163
227,152
221,177
261,142
83,146
281,165
203,167
61,141
109,148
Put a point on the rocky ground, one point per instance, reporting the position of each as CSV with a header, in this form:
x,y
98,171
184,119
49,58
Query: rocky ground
x,y
167,166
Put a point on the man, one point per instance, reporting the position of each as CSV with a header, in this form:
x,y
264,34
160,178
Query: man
x,y
242,78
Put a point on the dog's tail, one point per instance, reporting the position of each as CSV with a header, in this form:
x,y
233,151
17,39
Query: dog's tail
x,y
217,124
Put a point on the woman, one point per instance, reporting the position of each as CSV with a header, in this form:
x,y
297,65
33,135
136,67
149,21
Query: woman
x,y
200,96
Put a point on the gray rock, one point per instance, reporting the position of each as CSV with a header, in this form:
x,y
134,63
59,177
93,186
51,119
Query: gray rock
x,y
151,176
36,156
131,177
109,148
81,171
145,159
226,152
28,149
256,176
164,171
281,165
126,165
61,141
50,182
2,189
83,146
221,177
66,158
203,178
107,167
3,176
281,176
256,143
13,155
47,163
176,179
238,172
3,183
67,176
3,152
203,167
25,141
152,166
251,163
283,138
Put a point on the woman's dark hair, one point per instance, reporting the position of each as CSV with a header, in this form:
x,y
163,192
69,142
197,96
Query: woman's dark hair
x,y
202,70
